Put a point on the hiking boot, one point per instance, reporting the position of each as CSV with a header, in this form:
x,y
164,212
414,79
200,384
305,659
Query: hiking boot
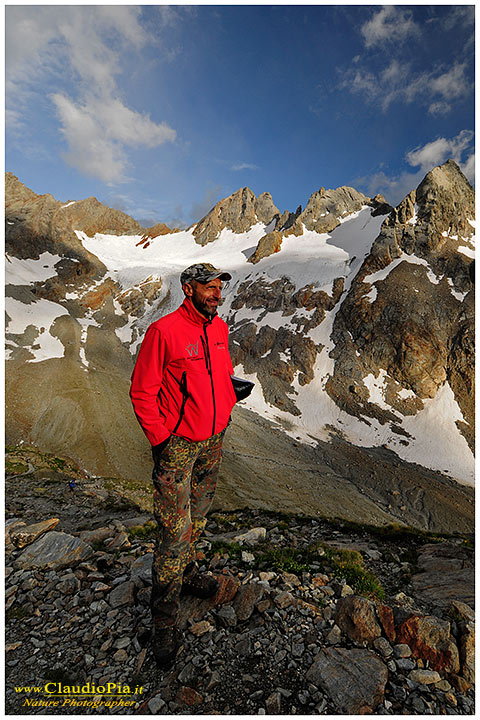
x,y
200,585
165,645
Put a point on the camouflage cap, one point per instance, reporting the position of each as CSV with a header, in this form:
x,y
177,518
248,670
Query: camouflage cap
x,y
203,273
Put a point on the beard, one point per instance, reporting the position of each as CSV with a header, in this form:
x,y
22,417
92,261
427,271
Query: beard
x,y
203,308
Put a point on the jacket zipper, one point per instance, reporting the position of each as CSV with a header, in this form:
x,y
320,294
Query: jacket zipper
x,y
208,361
183,388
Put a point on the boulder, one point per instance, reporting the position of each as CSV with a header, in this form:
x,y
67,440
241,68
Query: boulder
x,y
353,679
54,550
22,536
142,568
355,616
245,600
251,537
385,615
467,651
460,608
122,594
429,639
267,245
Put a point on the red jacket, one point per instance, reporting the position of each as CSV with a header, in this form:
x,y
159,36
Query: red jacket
x,y
181,381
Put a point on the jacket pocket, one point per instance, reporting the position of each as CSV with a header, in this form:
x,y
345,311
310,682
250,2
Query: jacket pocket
x,y
184,391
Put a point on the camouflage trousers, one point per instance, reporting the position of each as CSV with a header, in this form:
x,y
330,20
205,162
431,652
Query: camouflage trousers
x,y
184,481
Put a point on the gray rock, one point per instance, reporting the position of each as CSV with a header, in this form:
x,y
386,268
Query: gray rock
x,y
122,594
401,650
142,568
69,584
383,646
251,537
334,636
424,677
405,663
354,679
447,575
54,550
156,705
245,600
227,616
137,522
273,703
95,536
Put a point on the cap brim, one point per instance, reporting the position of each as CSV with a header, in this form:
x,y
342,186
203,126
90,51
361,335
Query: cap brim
x,y
214,276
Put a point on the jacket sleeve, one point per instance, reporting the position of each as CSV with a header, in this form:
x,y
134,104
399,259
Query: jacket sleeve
x,y
146,380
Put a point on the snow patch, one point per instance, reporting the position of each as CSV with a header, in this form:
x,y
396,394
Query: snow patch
x,y
27,271
469,252
406,394
441,445
460,296
413,259
413,220
41,314
376,388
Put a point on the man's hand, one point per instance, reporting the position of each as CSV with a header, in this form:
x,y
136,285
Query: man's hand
x,y
158,449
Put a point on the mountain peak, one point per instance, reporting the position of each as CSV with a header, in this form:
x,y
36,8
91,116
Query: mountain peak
x,y
238,212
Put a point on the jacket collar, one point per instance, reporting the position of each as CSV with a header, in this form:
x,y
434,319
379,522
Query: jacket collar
x,y
191,313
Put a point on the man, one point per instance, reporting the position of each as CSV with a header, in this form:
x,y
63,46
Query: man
x,y
183,396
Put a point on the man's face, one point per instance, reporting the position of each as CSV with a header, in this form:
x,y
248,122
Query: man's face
x,y
205,296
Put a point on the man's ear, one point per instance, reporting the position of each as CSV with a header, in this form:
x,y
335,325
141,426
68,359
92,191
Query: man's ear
x,y
188,290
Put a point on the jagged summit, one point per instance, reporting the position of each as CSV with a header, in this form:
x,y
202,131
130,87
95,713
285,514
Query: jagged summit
x,y
409,312
242,210
238,212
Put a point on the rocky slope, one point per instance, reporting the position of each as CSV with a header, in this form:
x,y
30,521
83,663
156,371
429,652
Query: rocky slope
x,y
410,309
312,617
354,319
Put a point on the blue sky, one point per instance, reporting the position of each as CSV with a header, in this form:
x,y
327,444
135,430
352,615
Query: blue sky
x,y
162,110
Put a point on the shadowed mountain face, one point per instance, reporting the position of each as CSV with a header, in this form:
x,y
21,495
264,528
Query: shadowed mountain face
x,y
355,320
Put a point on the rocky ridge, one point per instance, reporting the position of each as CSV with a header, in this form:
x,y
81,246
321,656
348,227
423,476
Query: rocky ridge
x,y
416,321
323,213
312,617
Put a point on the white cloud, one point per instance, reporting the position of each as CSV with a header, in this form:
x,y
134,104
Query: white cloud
x,y
398,82
426,157
96,132
244,166
436,152
468,168
439,108
451,84
81,47
389,24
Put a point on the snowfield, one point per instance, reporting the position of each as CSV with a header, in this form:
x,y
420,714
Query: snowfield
x,y
310,259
